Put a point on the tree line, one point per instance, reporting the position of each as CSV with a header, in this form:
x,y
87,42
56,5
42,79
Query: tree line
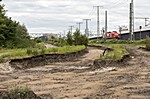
x,y
15,35
71,39
12,33
77,38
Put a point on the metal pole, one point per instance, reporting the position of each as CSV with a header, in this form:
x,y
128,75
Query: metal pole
x,y
98,21
64,34
98,25
120,29
131,25
132,11
79,23
140,33
71,29
87,30
105,23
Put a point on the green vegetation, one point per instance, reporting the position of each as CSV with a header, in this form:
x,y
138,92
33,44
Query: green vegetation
x,y
118,47
22,92
116,41
147,43
65,49
58,42
76,39
118,52
12,33
17,90
69,38
39,51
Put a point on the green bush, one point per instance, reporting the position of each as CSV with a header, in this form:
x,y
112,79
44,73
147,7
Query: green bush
x,y
40,45
35,52
16,90
42,51
38,40
117,54
29,51
147,43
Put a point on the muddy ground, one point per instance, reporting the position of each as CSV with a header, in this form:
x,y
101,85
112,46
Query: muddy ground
x,y
78,79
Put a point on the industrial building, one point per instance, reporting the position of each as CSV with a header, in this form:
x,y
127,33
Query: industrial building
x,y
137,35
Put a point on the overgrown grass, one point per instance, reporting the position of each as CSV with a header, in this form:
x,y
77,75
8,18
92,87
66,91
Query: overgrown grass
x,y
65,49
117,54
38,51
116,41
16,90
14,54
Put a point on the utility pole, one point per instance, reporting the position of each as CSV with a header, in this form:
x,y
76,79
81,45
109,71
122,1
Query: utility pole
x,y
64,34
79,23
60,35
140,32
71,28
120,30
105,23
131,25
87,29
98,21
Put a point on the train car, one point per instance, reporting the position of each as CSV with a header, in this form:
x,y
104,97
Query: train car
x,y
110,35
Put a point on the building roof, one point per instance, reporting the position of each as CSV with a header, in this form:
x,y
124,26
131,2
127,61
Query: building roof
x,y
137,30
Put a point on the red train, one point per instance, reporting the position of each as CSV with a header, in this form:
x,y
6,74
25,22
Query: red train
x,y
113,34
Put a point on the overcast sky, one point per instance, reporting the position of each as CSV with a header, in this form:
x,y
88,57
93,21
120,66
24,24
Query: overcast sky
x,y
54,16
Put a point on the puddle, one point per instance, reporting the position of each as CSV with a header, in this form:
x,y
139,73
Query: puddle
x,y
75,67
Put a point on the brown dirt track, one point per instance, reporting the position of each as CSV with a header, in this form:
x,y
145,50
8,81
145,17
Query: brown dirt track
x,y
76,80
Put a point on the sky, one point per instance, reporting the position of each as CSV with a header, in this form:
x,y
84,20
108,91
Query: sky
x,y
55,16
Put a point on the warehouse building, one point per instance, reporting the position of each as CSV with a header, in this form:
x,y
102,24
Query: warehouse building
x,y
137,35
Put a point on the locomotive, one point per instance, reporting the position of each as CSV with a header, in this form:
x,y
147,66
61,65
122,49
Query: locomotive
x,y
113,34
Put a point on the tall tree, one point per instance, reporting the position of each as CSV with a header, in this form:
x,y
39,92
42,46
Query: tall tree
x,y
12,33
69,38
77,37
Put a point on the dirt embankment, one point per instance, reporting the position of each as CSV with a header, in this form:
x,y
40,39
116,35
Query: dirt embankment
x,y
76,80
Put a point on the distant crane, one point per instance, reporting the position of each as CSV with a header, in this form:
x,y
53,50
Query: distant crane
x,y
145,18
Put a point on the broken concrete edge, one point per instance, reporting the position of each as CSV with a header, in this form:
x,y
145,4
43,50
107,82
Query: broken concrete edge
x,y
143,48
111,63
41,60
108,63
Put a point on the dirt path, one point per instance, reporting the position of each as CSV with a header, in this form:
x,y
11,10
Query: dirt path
x,y
74,80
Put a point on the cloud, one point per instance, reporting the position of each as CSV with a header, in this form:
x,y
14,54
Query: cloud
x,y
56,15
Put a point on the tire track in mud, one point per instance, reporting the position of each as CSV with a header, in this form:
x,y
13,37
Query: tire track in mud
x,y
43,80
73,80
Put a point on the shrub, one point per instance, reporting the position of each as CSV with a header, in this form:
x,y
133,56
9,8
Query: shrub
x,y
29,51
40,45
117,54
35,52
54,49
17,90
38,40
42,51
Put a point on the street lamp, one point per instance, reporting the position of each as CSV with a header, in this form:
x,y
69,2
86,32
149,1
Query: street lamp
x,y
140,32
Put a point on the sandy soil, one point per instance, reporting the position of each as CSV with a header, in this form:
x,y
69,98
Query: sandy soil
x,y
75,80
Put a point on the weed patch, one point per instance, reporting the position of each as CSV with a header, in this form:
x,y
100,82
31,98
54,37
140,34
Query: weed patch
x,y
117,54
